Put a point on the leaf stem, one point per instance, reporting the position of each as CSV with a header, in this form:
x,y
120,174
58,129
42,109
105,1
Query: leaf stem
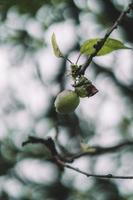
x,y
78,59
67,59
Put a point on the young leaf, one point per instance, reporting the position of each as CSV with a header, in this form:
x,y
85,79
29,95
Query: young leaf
x,y
110,45
55,46
87,148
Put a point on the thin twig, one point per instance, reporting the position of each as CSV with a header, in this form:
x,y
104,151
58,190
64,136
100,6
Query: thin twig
x,y
100,151
101,42
61,162
49,143
97,175
78,59
67,59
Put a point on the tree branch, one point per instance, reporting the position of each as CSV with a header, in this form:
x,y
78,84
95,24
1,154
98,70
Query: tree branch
x,y
61,162
100,150
101,42
49,143
97,175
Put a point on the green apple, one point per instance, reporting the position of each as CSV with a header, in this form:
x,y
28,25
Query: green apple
x,y
66,102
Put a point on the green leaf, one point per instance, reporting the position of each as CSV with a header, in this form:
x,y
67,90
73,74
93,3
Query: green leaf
x,y
110,45
55,46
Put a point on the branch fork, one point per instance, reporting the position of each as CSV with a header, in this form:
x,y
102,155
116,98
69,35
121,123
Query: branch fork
x,y
62,162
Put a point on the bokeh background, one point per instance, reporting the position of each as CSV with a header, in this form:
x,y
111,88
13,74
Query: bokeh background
x,y
31,77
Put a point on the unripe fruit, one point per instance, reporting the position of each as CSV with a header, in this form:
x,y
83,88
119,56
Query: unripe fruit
x,y
66,102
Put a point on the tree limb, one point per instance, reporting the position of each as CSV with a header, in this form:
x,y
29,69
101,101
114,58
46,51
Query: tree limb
x,y
100,151
97,175
61,162
49,143
101,42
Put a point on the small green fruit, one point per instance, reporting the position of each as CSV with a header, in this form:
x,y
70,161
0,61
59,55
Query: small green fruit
x,y
66,102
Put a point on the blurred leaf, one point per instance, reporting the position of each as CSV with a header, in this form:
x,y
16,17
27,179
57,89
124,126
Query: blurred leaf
x,y
22,6
4,196
57,191
110,45
55,46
